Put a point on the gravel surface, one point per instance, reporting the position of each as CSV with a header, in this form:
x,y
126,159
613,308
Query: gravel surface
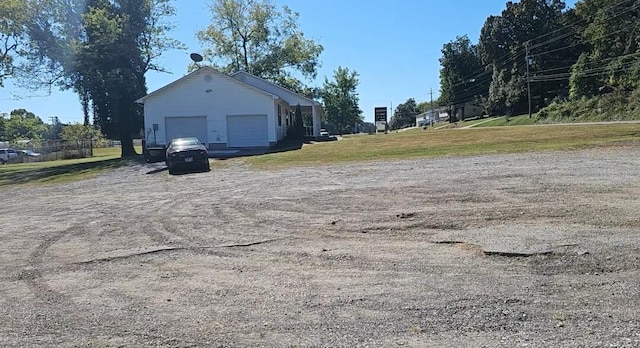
x,y
536,250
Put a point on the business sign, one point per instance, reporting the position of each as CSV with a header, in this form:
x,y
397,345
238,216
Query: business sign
x,y
380,114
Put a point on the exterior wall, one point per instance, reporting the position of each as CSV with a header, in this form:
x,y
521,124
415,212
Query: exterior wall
x,y
281,128
289,97
214,97
470,110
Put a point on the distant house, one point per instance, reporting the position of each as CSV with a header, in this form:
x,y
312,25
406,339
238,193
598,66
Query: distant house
x,y
436,115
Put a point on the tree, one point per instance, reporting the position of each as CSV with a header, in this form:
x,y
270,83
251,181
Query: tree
x,y
426,106
24,125
3,120
13,15
80,134
404,115
460,63
100,49
610,58
257,37
297,130
502,49
340,99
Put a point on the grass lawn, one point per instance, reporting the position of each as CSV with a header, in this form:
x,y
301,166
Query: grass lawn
x,y
451,142
63,170
520,120
401,145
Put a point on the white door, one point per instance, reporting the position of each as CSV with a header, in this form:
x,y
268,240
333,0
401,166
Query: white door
x,y
247,131
188,126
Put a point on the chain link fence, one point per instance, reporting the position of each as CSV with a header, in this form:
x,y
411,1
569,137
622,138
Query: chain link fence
x,y
55,150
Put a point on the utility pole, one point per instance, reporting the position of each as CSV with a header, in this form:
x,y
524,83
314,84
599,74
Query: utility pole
x,y
54,127
432,117
386,127
528,77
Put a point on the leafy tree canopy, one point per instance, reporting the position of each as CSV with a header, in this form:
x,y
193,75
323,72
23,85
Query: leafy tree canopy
x,y
22,125
340,99
100,49
459,64
258,37
13,16
404,115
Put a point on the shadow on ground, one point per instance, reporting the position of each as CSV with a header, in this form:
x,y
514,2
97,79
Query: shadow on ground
x,y
66,172
289,145
224,154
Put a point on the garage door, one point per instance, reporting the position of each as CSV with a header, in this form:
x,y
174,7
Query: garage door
x,y
247,131
181,127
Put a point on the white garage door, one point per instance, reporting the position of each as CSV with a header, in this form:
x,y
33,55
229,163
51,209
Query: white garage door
x,y
181,127
247,131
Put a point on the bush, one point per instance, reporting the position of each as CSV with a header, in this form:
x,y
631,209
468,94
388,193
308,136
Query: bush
x,y
614,106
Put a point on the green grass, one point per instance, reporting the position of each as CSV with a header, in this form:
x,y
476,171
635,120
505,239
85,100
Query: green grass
x,y
468,123
451,142
521,120
63,170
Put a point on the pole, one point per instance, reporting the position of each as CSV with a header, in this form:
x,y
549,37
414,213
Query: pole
x,y
528,78
386,126
432,117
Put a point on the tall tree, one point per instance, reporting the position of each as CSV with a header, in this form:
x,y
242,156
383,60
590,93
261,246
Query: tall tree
x,y
502,49
3,119
101,49
460,64
340,99
404,115
610,58
259,38
13,16
426,106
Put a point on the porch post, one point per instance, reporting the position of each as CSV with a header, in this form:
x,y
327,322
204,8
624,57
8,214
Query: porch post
x,y
316,121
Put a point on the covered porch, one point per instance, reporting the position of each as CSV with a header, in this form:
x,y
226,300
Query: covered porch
x,y
311,116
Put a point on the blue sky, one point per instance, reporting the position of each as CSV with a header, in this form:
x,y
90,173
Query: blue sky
x,y
394,47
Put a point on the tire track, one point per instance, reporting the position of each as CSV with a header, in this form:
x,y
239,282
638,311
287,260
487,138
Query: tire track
x,y
33,274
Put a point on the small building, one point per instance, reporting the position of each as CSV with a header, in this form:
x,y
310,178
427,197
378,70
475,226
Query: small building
x,y
225,111
432,116
468,110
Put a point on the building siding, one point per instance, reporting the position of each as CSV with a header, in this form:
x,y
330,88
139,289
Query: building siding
x,y
214,97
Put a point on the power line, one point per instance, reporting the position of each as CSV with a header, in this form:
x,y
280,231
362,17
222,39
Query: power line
x,y
585,73
514,55
573,25
484,75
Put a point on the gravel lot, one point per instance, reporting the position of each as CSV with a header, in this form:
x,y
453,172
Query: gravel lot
x,y
537,250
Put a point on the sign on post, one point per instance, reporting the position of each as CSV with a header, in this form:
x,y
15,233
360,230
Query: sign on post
x,y
380,116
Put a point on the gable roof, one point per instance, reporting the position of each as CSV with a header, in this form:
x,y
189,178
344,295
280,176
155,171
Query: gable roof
x,y
204,68
237,75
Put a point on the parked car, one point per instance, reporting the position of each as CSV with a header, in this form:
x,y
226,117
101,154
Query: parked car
x,y
8,155
30,153
185,153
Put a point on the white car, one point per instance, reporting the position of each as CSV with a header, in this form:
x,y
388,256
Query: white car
x,y
8,155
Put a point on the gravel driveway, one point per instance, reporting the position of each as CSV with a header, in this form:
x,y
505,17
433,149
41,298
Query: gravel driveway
x,y
537,250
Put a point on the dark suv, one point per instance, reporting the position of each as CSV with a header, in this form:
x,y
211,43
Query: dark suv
x,y
8,155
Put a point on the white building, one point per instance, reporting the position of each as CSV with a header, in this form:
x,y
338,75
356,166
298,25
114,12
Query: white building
x,y
432,116
224,111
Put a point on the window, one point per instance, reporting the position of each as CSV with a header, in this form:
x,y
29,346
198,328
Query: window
x,y
279,115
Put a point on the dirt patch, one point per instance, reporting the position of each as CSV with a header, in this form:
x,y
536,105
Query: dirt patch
x,y
510,250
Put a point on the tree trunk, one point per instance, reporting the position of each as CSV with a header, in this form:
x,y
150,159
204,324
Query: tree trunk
x,y
125,131
126,143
